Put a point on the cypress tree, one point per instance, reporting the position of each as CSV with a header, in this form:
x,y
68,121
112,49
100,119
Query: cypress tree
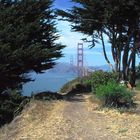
x,y
27,40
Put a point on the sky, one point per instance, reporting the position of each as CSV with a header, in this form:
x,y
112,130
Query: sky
x,y
92,57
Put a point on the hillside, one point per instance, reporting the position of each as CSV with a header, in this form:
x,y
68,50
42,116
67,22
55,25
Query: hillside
x,y
67,68
64,68
76,119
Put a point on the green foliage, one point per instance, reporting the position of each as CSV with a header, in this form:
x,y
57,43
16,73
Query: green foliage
x,y
69,86
27,40
9,103
138,85
98,78
138,72
118,20
112,94
48,95
77,85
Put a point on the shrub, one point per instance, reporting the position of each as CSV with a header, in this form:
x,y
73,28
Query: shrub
x,y
77,85
138,72
10,101
48,95
138,85
100,78
69,86
112,94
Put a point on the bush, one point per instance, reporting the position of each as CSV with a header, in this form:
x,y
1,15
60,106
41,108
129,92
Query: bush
x,y
112,94
77,85
10,101
100,78
69,86
48,95
138,85
138,72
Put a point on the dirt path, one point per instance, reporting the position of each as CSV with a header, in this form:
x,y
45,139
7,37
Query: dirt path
x,y
82,125
71,120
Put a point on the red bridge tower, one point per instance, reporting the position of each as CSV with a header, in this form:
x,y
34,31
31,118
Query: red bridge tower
x,y
80,60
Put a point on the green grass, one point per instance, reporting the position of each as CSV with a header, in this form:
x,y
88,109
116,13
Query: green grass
x,y
69,86
73,84
138,85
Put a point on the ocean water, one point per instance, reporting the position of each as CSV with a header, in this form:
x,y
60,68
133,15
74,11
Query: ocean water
x,y
46,82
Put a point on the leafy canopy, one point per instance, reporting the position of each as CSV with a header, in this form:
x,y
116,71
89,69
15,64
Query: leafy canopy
x,y
119,20
27,39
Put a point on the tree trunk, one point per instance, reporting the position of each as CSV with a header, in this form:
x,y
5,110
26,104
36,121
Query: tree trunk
x,y
133,69
133,72
125,59
104,51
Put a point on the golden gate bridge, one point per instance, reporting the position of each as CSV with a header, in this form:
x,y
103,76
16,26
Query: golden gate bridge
x,y
82,69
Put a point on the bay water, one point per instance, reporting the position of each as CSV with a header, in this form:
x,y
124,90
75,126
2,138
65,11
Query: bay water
x,y
46,82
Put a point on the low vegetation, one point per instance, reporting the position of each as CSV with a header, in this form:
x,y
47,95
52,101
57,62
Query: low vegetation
x,y
48,95
104,86
114,95
138,84
77,85
98,78
11,103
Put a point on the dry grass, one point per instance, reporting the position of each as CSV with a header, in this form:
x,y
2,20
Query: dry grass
x,y
38,121
124,123
77,120
28,123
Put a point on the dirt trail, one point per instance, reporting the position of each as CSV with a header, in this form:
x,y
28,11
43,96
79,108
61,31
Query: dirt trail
x,y
75,119
83,126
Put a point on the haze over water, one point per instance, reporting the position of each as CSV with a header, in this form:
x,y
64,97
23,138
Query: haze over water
x,y
47,82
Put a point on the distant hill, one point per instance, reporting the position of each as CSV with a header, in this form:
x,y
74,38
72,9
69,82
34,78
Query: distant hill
x,y
63,68
102,67
71,69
